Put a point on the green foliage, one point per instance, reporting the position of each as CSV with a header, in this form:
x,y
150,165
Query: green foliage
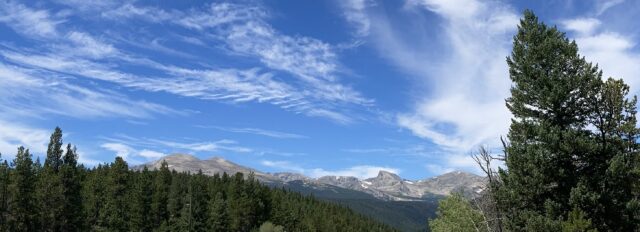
x,y
4,194
22,211
270,227
140,197
572,150
71,215
116,213
111,197
577,223
160,196
50,190
455,214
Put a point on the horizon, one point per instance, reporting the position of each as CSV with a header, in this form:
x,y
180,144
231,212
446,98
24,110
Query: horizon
x,y
291,172
347,88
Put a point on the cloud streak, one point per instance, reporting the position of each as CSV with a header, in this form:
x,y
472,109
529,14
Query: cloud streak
x,y
258,131
154,147
464,106
299,74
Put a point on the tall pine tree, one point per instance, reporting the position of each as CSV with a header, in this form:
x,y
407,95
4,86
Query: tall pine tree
x,y
21,194
4,194
160,197
116,212
141,196
558,165
71,216
50,194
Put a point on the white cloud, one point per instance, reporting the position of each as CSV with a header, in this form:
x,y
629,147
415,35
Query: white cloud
x,y
581,25
32,93
146,146
220,145
354,13
13,135
463,106
149,154
416,150
462,74
614,53
360,171
258,131
438,169
454,9
604,5
310,60
241,29
121,150
130,154
28,21
86,45
129,10
244,31
283,165
221,14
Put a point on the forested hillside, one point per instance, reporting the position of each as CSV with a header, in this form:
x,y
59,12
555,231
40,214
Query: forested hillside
x,y
61,195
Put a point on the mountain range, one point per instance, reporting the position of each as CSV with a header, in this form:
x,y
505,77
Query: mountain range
x,y
404,204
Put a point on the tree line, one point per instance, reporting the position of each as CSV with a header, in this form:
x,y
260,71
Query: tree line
x,y
571,158
62,195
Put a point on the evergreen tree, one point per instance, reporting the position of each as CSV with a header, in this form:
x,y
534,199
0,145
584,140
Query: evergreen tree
x,y
71,216
21,194
116,211
50,194
176,203
199,199
4,194
556,162
94,191
54,151
160,196
218,219
110,197
141,202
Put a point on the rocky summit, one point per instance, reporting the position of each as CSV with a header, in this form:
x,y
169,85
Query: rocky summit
x,y
385,186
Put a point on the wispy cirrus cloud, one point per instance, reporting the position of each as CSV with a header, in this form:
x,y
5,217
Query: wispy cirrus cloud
x,y
257,131
604,5
28,21
463,84
244,31
166,146
34,93
354,12
468,83
241,30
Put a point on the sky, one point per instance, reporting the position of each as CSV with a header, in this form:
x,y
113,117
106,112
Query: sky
x,y
335,87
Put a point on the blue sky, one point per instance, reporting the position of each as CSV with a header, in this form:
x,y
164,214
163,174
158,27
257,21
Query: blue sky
x,y
318,87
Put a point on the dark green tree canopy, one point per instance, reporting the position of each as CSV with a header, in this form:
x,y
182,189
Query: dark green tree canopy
x,y
111,197
572,145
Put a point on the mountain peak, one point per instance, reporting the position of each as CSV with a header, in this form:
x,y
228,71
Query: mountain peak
x,y
386,175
